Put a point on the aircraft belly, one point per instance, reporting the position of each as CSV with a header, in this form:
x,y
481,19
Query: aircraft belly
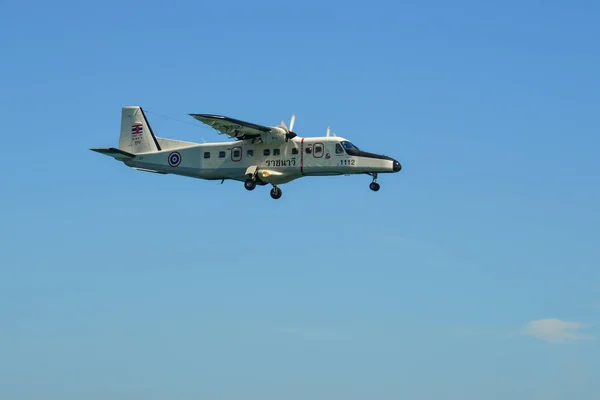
x,y
323,173
236,173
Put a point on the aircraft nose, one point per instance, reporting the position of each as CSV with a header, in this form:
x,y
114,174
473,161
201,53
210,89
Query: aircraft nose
x,y
397,166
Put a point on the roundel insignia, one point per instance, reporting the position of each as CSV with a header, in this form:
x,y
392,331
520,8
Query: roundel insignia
x,y
174,159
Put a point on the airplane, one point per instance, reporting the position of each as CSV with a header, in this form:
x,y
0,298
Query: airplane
x,y
259,155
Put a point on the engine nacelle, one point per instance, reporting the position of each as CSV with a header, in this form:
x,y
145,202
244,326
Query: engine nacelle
x,y
276,135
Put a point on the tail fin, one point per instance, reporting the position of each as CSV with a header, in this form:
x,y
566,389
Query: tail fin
x,y
136,134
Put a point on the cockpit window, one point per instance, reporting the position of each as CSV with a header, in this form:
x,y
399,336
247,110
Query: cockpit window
x,y
349,146
338,148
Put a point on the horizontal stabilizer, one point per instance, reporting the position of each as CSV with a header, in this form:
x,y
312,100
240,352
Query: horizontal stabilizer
x,y
116,153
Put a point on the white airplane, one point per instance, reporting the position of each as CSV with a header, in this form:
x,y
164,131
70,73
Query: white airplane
x,y
260,155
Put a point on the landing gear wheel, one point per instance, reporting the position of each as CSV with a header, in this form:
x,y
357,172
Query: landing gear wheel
x,y
276,193
250,184
374,186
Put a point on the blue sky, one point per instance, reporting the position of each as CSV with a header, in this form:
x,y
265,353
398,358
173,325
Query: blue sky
x,y
471,274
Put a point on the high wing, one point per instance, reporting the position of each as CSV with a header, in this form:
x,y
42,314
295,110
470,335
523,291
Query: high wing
x,y
234,128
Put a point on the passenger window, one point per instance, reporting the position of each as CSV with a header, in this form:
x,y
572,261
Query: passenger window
x,y
275,152
308,150
250,153
221,154
266,152
339,149
206,154
236,154
318,149
294,151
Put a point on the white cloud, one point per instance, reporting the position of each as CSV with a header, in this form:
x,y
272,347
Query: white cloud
x,y
555,330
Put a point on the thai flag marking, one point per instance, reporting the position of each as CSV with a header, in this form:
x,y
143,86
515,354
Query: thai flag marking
x,y
137,129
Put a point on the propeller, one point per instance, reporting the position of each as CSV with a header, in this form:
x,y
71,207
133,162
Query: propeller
x,y
289,134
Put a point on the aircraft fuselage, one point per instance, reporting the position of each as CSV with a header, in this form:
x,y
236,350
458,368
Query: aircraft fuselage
x,y
315,156
259,155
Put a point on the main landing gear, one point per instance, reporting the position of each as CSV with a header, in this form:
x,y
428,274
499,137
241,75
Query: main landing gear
x,y
250,184
276,192
374,186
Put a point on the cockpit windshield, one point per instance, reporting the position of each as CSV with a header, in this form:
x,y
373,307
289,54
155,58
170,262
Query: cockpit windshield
x,y
349,146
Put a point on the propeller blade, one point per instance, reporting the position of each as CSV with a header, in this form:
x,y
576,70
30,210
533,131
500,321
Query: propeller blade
x,y
292,122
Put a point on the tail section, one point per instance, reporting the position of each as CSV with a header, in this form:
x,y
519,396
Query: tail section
x,y
136,134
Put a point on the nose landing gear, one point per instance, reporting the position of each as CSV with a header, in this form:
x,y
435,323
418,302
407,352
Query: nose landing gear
x,y
374,186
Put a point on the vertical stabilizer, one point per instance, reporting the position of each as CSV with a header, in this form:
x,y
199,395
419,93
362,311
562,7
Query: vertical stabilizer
x,y
136,134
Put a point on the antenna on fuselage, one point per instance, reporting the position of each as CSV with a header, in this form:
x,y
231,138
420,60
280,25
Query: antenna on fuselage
x,y
329,133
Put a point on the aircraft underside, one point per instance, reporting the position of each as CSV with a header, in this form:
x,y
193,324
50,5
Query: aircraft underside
x,y
250,180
